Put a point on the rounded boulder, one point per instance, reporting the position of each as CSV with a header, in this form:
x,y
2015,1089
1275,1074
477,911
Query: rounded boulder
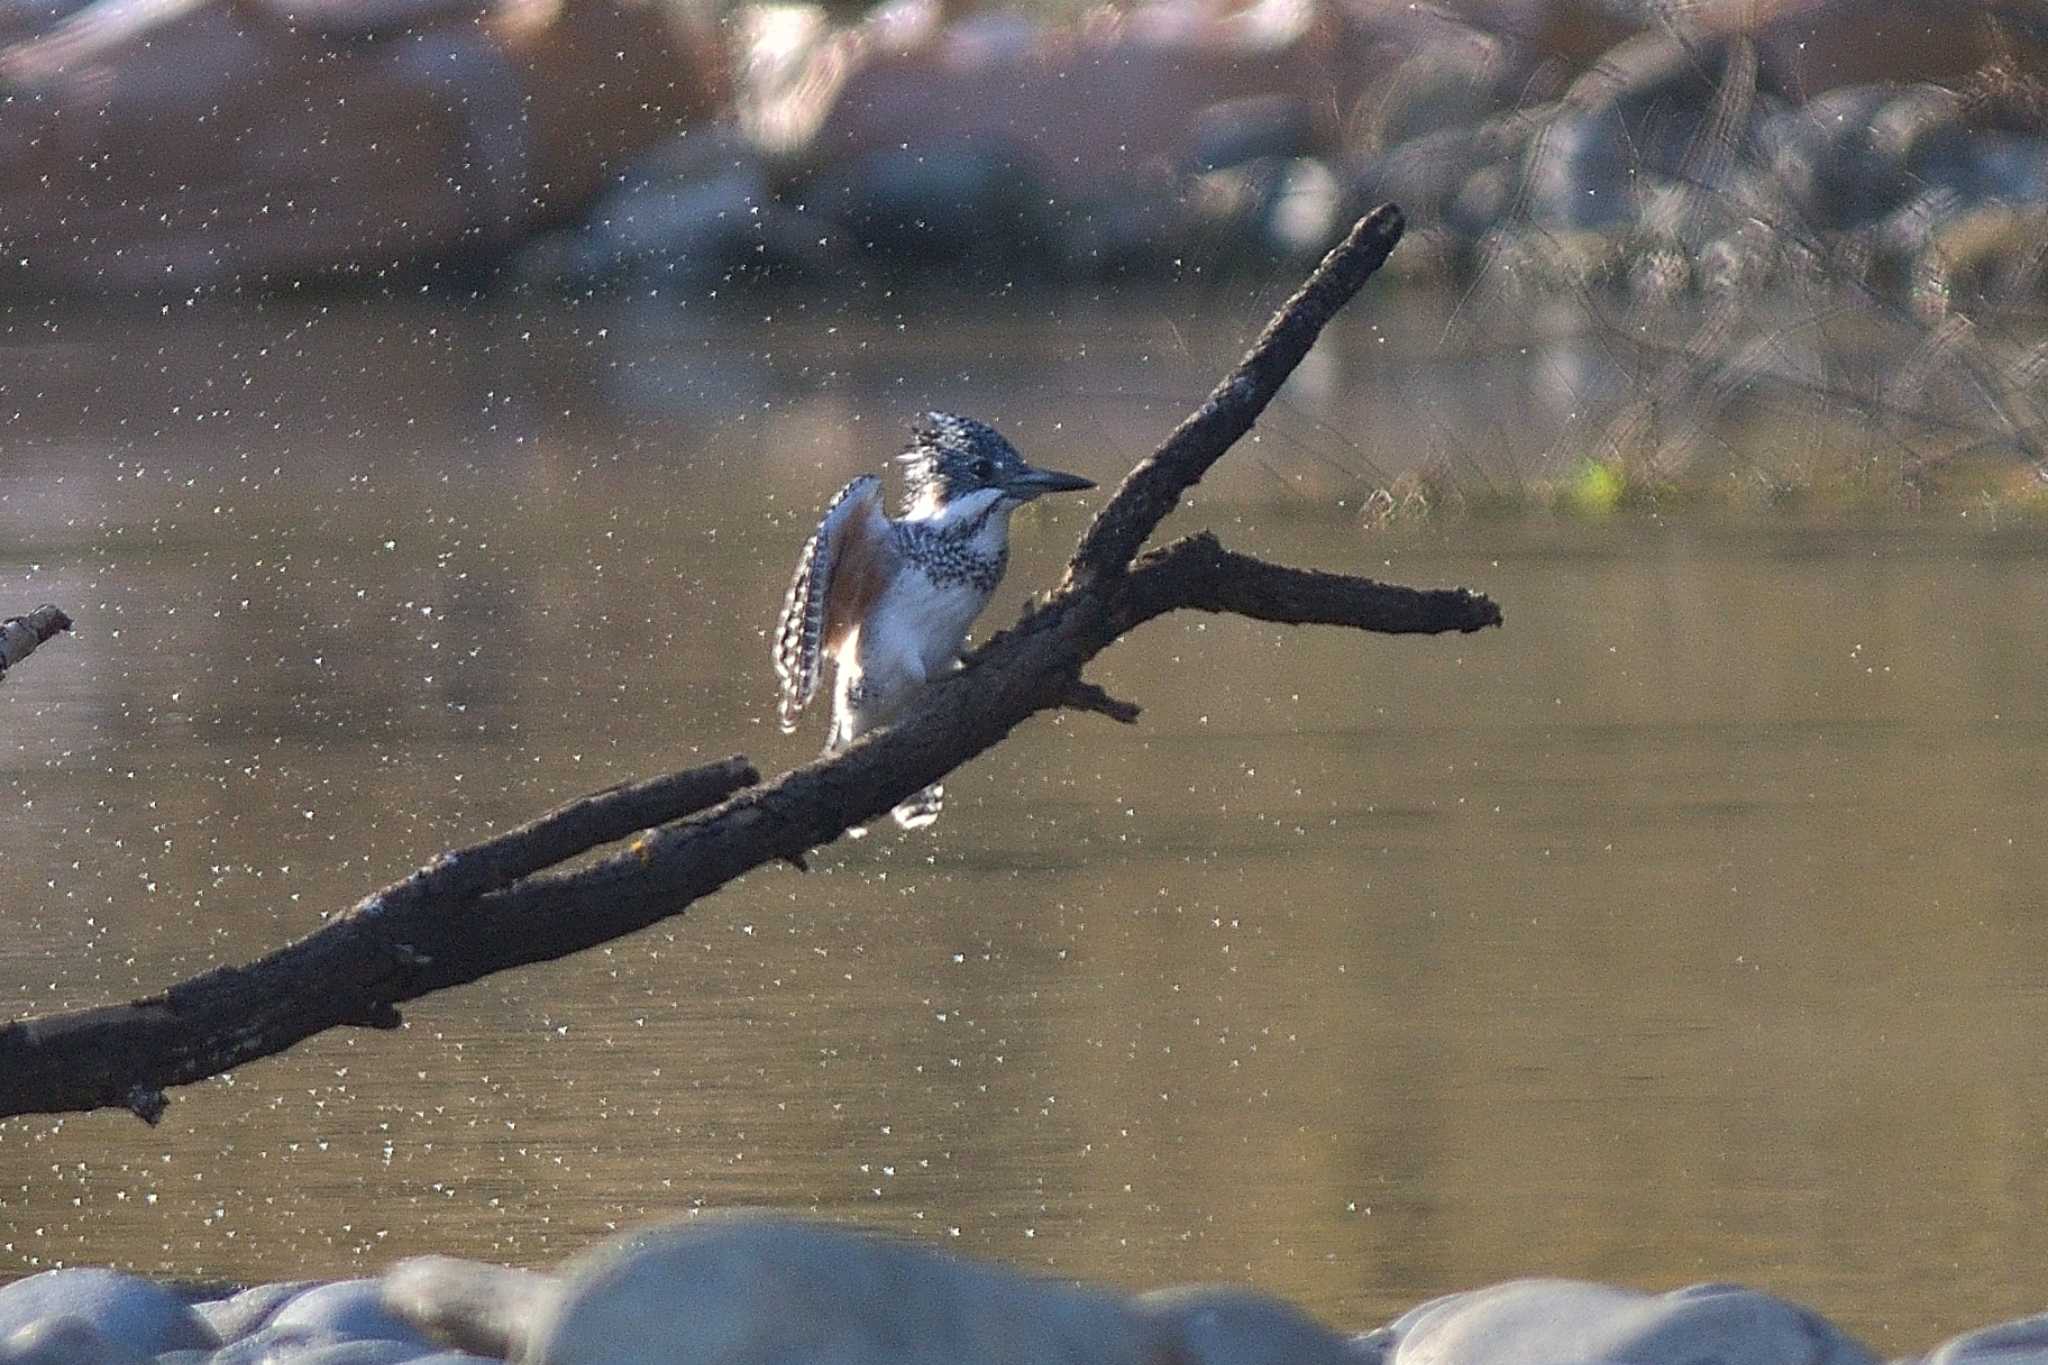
x,y
129,1312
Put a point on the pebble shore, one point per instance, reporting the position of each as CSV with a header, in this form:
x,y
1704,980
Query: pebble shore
x,y
749,1289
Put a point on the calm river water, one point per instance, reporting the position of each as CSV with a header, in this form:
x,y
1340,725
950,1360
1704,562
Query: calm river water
x,y
1691,927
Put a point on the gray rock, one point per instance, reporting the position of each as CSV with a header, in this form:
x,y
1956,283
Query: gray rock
x,y
1582,172
301,1346
129,1312
1569,1322
238,1315
699,203
1852,155
740,1290
351,1309
2024,1342
1425,175
488,1309
1452,82
272,1345
63,1341
1226,1325
350,1353
2007,168
1370,1348
1260,127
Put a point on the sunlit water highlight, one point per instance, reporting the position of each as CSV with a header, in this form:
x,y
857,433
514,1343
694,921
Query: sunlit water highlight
x,y
1691,927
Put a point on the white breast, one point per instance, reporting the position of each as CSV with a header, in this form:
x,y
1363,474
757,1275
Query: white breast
x,y
919,626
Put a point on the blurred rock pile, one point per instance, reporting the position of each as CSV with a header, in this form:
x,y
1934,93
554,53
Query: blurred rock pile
x,y
1650,146
749,1290
1556,144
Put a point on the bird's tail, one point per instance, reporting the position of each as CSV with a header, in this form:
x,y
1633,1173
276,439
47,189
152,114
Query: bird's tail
x,y
922,808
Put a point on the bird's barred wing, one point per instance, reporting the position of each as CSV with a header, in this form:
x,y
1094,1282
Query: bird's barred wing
x,y
853,520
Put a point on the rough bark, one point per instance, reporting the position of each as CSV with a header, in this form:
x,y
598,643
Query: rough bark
x,y
498,905
19,635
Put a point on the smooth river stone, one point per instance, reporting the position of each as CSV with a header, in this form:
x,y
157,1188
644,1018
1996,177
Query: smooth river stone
x,y
272,1346
63,1341
720,1290
1570,1322
141,1318
238,1315
295,1346
352,1309
368,1352
1226,1325
488,1309
2024,1342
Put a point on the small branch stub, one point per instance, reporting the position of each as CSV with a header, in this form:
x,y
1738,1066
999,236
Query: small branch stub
x,y
146,1102
1087,696
20,635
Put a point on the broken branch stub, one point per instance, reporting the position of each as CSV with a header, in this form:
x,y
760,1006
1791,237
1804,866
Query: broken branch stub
x,y
20,635
510,902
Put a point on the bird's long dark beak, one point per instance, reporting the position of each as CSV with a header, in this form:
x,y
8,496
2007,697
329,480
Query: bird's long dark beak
x,y
1034,482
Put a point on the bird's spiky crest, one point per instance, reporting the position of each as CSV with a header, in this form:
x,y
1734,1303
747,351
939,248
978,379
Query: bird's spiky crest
x,y
950,455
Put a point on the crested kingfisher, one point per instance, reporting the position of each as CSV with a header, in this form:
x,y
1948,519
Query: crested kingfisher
x,y
889,599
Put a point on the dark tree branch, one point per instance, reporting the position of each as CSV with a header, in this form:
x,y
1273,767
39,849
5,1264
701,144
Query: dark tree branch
x,y
19,635
1151,490
583,824
354,971
1200,574
506,903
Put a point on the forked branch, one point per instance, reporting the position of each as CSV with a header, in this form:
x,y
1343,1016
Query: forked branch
x,y
509,902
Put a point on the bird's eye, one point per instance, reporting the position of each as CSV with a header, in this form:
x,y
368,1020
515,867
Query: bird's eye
x,y
984,469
